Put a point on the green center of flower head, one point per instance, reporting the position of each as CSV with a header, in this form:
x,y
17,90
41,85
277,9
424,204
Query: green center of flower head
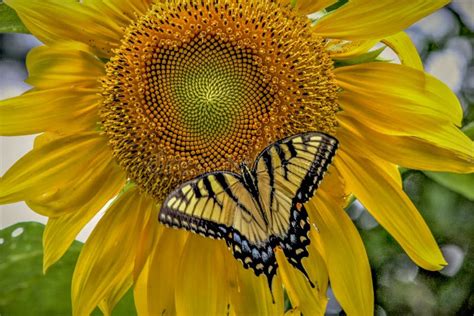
x,y
210,85
203,85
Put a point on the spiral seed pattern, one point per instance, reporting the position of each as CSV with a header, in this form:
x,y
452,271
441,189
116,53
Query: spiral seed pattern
x,y
201,86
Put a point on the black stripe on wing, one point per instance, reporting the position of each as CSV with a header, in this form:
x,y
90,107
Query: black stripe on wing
x,y
323,158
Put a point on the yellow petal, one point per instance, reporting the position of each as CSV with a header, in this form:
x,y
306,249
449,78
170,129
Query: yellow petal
x,y
347,263
403,46
150,235
140,291
315,264
402,89
293,312
45,138
55,110
249,294
123,12
367,19
305,7
339,49
43,169
200,289
390,206
310,301
63,65
105,265
67,197
333,185
61,231
115,295
57,20
156,286
443,149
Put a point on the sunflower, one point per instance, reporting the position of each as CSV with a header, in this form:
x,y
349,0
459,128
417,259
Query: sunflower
x,y
132,97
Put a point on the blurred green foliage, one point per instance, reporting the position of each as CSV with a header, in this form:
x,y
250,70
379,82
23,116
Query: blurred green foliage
x,y
25,290
10,22
404,289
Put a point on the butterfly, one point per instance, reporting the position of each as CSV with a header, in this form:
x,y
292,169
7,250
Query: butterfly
x,y
262,207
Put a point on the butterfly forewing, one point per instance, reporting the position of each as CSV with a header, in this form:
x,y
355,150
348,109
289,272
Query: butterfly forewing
x,y
290,170
288,173
210,205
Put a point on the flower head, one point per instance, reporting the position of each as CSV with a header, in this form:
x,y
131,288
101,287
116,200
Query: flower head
x,y
132,98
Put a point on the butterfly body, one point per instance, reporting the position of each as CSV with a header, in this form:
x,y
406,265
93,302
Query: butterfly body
x,y
260,209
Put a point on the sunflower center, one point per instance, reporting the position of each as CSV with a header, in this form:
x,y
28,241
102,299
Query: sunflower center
x,y
201,86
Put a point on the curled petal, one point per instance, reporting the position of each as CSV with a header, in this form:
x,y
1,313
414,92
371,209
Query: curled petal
x,y
407,91
403,46
446,149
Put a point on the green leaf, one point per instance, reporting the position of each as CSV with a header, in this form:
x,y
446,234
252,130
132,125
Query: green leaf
x,y
469,130
24,289
9,21
459,183
336,5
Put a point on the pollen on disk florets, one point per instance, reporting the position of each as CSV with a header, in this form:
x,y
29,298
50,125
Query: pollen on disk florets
x,y
199,86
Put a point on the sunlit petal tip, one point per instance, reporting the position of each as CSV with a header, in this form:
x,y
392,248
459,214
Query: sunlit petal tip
x,y
351,283
404,47
391,207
